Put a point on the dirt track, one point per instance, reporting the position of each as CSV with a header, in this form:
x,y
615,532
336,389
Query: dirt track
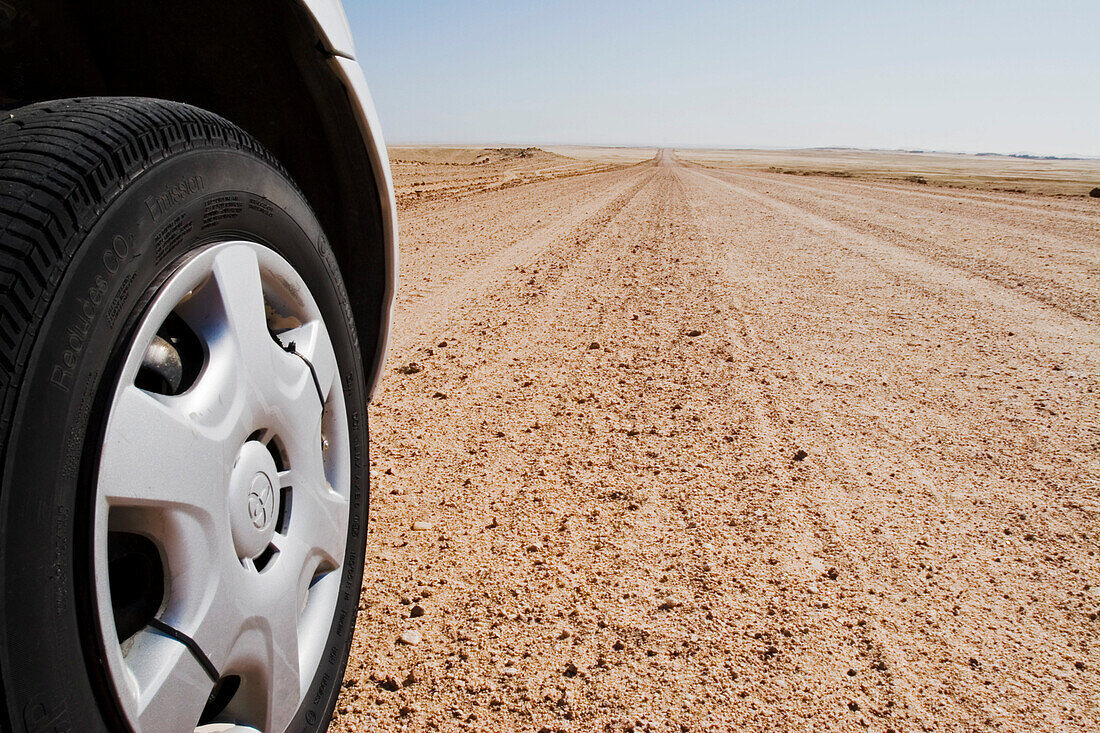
x,y
711,450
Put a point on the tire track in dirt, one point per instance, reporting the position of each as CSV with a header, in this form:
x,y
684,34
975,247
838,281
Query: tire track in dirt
x,y
824,433
1050,326
443,239
472,187
569,277
432,308
781,401
1055,210
1009,262
828,534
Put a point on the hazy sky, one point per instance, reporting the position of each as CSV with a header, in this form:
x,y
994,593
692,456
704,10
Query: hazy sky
x,y
965,76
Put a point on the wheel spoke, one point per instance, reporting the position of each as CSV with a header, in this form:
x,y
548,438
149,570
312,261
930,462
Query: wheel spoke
x,y
173,692
267,644
229,627
293,568
312,341
279,384
155,454
284,688
230,314
237,275
320,517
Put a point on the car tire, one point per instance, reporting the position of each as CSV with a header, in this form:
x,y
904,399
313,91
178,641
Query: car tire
x,y
183,434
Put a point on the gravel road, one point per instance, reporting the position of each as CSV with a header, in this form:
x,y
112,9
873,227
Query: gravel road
x,y
676,448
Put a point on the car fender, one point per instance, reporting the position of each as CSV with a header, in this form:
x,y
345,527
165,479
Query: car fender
x,y
355,82
332,25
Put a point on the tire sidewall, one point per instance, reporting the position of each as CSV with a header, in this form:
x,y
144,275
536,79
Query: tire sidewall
x,y
55,677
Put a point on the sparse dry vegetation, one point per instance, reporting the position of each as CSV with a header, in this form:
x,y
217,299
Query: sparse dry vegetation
x,y
1009,174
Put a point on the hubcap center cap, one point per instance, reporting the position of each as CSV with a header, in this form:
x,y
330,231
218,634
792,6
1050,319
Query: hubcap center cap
x,y
261,501
253,500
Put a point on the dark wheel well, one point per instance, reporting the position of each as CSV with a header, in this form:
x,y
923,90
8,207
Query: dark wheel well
x,y
258,63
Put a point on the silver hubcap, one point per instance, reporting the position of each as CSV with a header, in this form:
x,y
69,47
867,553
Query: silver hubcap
x,y
225,480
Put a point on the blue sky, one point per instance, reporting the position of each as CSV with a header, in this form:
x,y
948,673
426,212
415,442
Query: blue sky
x,y
964,76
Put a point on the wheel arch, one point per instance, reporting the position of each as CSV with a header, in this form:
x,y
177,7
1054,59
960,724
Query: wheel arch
x,y
279,69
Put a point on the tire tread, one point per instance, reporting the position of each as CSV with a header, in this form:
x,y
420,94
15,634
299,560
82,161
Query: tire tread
x,y
61,164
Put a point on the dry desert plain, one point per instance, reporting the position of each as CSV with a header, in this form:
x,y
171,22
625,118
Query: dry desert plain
x,y
670,443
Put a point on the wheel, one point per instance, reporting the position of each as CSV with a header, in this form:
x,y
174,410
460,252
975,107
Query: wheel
x,y
183,503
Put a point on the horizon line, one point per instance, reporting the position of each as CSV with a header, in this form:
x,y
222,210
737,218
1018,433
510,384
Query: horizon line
x,y
1026,155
